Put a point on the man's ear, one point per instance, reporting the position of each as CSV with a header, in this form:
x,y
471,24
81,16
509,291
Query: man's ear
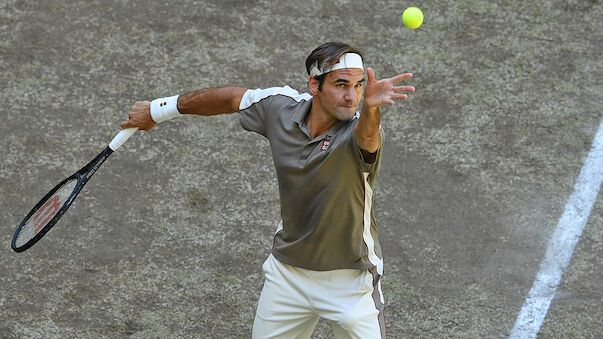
x,y
313,85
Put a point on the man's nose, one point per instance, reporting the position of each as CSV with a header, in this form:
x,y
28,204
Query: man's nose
x,y
350,94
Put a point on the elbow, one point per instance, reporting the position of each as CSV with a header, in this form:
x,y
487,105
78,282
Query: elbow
x,y
236,97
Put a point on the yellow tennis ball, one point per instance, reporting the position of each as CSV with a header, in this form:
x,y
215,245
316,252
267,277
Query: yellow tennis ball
x,y
412,17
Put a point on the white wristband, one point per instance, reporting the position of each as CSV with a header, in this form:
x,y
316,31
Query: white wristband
x,y
163,109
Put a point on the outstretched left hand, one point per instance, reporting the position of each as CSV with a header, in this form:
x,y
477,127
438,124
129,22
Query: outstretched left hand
x,y
384,92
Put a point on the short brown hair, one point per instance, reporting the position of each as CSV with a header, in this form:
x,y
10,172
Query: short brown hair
x,y
329,52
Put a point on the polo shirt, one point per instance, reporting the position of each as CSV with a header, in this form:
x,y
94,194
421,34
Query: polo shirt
x,y
325,185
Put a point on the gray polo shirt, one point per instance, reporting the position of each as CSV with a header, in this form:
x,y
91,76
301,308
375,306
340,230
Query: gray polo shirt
x,y
325,185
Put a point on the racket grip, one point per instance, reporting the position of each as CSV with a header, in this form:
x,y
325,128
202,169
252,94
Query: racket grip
x,y
122,137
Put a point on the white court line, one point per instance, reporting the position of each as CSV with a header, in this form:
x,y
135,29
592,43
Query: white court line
x,y
561,245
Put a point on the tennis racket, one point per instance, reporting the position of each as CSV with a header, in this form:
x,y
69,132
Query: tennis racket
x,y
53,205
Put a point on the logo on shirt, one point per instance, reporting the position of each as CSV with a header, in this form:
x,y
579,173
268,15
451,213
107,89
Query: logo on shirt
x,y
325,145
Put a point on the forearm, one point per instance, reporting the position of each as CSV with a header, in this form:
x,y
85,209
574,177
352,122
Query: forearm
x,y
146,114
366,131
211,101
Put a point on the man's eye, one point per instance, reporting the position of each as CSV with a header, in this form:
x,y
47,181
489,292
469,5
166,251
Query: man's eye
x,y
358,85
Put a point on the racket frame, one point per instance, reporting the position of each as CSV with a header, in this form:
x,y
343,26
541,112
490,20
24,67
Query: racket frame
x,y
82,176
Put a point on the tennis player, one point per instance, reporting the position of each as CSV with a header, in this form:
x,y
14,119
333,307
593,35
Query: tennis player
x,y
326,260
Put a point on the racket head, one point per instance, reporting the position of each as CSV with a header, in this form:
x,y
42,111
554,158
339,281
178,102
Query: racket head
x,y
46,213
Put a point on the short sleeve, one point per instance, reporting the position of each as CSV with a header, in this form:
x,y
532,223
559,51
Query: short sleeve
x,y
252,111
255,107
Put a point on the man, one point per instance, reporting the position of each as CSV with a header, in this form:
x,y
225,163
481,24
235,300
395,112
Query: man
x,y
326,260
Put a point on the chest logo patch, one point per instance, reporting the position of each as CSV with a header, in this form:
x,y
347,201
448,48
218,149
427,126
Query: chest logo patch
x,y
325,145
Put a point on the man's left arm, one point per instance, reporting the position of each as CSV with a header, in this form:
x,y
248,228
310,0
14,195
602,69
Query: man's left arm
x,y
376,94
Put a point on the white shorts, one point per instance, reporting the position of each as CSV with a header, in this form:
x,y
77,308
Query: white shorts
x,y
293,299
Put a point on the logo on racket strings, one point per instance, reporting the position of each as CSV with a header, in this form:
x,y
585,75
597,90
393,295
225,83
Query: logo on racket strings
x,y
50,208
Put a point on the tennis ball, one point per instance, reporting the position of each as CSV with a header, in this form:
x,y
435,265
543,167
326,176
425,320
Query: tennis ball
x,y
412,17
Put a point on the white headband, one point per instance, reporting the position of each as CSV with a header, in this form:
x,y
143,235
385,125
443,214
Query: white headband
x,y
348,60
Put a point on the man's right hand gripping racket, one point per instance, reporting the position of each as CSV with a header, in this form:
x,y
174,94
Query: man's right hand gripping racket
x,y
53,205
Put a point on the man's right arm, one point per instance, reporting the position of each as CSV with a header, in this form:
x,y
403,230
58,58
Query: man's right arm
x,y
210,101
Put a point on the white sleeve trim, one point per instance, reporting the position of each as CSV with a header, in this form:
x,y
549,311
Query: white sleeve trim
x,y
253,96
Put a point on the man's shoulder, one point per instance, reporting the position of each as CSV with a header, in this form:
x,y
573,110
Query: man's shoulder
x,y
253,96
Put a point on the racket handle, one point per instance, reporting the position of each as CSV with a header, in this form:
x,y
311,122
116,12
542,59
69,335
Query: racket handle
x,y
122,137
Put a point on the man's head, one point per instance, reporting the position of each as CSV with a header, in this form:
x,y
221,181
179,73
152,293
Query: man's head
x,y
328,55
336,80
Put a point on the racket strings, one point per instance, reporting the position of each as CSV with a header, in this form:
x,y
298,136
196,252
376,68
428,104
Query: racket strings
x,y
44,214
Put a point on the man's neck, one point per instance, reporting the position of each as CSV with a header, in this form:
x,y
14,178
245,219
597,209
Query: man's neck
x,y
317,121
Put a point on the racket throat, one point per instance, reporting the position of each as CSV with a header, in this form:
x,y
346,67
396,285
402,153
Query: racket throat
x,y
88,171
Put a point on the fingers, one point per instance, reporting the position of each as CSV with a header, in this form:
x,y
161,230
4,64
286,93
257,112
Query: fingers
x,y
127,124
390,101
399,96
399,89
401,77
139,117
384,92
370,73
141,106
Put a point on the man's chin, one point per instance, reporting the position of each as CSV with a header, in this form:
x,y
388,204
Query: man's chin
x,y
346,113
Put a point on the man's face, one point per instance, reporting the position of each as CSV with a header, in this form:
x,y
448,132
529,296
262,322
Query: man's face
x,y
341,93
